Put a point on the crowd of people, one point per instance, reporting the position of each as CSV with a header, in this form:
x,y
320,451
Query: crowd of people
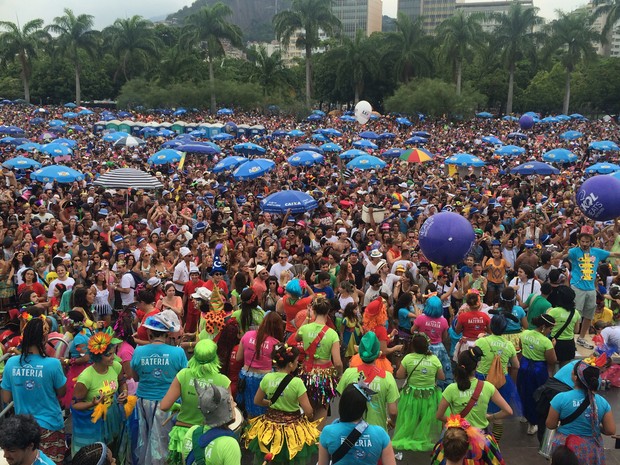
x,y
184,324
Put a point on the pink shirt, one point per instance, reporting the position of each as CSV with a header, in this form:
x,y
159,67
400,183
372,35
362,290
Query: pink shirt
x,y
432,327
249,347
125,352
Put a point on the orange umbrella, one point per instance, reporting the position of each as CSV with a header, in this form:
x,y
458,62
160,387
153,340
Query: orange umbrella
x,y
416,155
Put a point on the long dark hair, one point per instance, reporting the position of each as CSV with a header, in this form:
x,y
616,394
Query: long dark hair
x,y
273,326
32,337
465,367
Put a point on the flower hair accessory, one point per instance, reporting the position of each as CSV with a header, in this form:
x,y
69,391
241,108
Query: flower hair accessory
x,y
476,437
101,340
455,421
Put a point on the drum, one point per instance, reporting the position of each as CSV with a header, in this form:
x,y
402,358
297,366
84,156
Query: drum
x,y
237,425
546,447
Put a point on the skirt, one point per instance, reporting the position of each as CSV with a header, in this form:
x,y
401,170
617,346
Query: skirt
x,y
287,435
53,444
585,448
417,428
350,337
321,381
531,376
152,440
175,444
442,354
245,399
509,393
103,309
461,346
72,374
85,432
489,454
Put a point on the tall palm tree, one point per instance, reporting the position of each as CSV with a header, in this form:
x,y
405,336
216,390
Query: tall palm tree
x,y
23,44
572,36
357,60
132,41
611,10
516,38
208,27
410,45
305,18
75,33
269,70
458,35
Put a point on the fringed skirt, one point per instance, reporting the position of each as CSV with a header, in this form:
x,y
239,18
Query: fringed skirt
x,y
245,399
416,426
321,381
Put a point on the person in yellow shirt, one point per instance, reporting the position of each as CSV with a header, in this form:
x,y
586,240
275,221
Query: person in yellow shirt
x,y
601,313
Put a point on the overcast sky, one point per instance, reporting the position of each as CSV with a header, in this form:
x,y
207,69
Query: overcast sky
x,y
105,12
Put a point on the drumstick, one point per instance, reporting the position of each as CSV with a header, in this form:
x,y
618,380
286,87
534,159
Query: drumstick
x,y
167,419
268,458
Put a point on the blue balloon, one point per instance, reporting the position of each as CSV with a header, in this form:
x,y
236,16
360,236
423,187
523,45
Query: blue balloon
x,y
446,237
599,198
231,128
526,122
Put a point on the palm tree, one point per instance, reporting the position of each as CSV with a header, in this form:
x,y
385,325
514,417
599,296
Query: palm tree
x,y
23,44
515,37
410,45
357,60
132,41
269,70
611,10
458,35
304,19
208,28
573,37
75,33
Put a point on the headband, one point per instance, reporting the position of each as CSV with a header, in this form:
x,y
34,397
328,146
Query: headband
x,y
546,319
104,453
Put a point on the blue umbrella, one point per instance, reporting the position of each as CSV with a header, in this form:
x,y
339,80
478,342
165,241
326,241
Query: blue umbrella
x,y
310,147
331,132
347,118
404,121
365,144
57,122
77,128
295,133
40,111
85,112
571,135
563,117
223,136
484,114
279,133
165,132
510,118
253,169
229,163
66,142
69,114
198,133
197,147
305,158
314,117
58,173
224,112
510,150
172,144
352,153
604,146
8,140
21,163
368,135
465,159
29,147
179,112
70,105
517,135
602,168
147,130
318,112
283,201
534,167
387,135
248,148
549,120
416,140
113,136
331,147
165,156
578,116
57,129
12,130
366,162
124,114
424,134
492,140
320,138
616,174
392,153
36,120
56,150
559,156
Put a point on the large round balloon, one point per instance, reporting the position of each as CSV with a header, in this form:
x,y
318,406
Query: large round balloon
x,y
446,237
526,122
231,128
599,198
363,110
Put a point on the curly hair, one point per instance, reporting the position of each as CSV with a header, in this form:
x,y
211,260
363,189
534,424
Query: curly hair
x,y
19,432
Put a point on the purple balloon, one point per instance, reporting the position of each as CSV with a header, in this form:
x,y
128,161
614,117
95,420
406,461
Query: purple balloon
x,y
526,122
599,198
446,237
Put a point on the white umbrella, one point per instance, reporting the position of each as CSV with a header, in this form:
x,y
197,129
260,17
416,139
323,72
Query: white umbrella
x,y
129,141
124,178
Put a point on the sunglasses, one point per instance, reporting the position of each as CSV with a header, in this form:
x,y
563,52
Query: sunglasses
x,y
217,274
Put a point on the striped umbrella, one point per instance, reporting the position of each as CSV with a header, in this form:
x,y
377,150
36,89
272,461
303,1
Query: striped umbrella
x,y
416,155
124,178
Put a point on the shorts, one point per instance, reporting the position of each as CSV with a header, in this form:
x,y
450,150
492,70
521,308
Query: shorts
x,y
585,302
565,350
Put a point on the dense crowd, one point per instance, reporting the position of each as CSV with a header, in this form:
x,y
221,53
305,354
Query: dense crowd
x,y
184,324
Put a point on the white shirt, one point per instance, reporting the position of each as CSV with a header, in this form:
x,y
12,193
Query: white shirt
x,y
69,282
611,336
127,282
531,286
276,269
181,273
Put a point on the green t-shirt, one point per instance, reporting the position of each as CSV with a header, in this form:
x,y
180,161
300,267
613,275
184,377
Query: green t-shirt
x,y
458,400
537,305
491,346
101,385
426,372
309,333
257,318
561,315
386,389
224,450
289,399
534,345
190,413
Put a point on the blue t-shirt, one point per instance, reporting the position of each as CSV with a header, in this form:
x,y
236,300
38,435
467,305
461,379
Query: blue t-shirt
x,y
566,403
565,374
79,345
156,366
36,378
403,318
367,449
514,326
326,291
43,459
584,266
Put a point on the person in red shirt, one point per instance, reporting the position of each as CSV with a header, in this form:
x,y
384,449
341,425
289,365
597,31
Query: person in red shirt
x,y
471,322
292,303
217,274
146,304
192,314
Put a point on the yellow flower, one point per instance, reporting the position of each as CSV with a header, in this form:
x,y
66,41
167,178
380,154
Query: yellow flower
x,y
99,342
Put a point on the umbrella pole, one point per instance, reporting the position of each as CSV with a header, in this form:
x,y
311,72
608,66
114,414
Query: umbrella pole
x,y
127,202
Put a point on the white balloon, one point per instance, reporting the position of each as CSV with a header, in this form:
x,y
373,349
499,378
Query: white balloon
x,y
363,110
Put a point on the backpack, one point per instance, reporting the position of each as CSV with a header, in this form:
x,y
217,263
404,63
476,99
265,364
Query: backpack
x,y
496,373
